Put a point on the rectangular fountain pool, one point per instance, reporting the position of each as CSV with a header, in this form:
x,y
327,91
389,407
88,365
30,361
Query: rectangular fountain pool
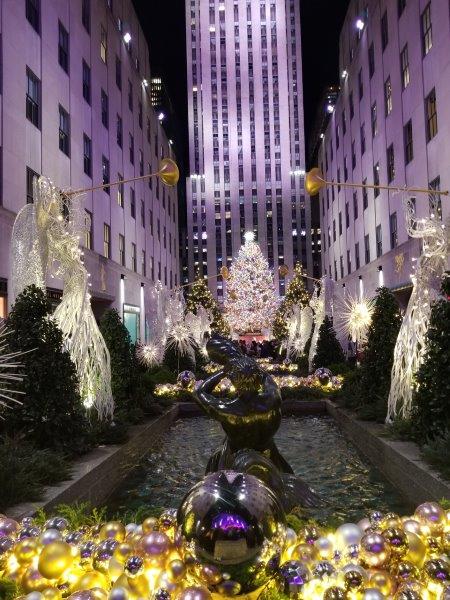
x,y
314,446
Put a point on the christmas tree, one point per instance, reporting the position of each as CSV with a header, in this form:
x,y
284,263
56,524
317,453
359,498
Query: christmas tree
x,y
376,366
52,414
200,295
295,294
251,301
432,395
329,350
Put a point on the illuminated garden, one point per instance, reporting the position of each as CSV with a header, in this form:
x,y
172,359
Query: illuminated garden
x,y
254,492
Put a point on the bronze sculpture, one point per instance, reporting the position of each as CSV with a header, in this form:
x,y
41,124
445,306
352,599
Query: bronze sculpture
x,y
250,421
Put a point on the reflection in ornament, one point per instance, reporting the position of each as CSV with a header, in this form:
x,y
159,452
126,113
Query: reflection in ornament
x,y
410,345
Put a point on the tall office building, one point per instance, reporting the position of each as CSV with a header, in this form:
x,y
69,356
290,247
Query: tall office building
x,y
390,125
246,143
76,107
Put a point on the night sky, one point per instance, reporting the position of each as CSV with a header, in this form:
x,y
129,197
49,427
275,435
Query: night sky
x,y
163,23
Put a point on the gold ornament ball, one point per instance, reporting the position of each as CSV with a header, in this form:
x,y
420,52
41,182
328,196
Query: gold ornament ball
x,y
150,524
397,540
354,580
139,585
51,593
405,571
383,582
335,593
54,559
114,530
195,593
176,570
374,550
431,516
305,553
225,272
99,594
32,581
437,570
122,552
26,550
92,579
417,549
210,575
283,271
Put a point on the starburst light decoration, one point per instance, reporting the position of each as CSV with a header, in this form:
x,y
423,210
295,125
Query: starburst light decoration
x,y
51,228
251,301
354,317
9,372
410,345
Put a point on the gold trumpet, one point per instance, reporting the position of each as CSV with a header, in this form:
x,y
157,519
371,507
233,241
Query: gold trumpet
x,y
314,182
168,173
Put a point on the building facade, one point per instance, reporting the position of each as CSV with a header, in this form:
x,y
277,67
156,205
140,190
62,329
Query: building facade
x,y
76,107
247,162
390,125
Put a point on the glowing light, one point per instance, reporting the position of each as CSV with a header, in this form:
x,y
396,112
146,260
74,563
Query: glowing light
x,y
359,24
145,83
354,316
344,74
249,236
127,37
161,116
330,108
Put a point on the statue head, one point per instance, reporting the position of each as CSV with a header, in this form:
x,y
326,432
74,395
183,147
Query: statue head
x,y
246,375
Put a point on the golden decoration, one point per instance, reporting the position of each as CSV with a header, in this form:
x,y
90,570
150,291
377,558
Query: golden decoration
x,y
283,271
399,260
225,272
55,558
168,172
113,531
314,181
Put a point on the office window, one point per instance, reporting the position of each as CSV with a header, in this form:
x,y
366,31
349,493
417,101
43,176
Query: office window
x,y
86,14
119,131
427,32
32,177
151,221
349,263
384,31
435,201
344,123
144,264
64,131
401,5
347,216
376,179
363,139
86,82
341,266
104,108
33,13
33,98
373,114
131,148
106,240
120,190
431,115
360,84
140,114
88,229
371,60
105,173
130,95
393,229
351,105
103,44
141,167
404,63
367,249
379,241
118,73
63,47
365,195
132,203
357,263
142,213
133,257
390,163
408,142
340,223
387,96
355,205
122,249
87,155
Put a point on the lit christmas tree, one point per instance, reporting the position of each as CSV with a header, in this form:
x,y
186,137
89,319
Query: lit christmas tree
x,y
251,301
295,294
200,295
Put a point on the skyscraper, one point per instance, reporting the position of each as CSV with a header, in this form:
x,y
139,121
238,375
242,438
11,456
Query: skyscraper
x,y
245,101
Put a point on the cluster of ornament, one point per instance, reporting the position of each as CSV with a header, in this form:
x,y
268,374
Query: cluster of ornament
x,y
229,539
322,378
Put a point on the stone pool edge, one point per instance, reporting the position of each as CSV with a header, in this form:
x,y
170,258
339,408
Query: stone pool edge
x,y
400,462
97,475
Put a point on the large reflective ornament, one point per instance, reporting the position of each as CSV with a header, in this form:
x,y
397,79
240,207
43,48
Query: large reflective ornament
x,y
431,517
314,181
54,559
250,421
168,172
233,525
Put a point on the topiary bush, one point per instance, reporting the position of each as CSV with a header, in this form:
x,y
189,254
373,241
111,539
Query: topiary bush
x,y
52,414
432,394
123,365
328,349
